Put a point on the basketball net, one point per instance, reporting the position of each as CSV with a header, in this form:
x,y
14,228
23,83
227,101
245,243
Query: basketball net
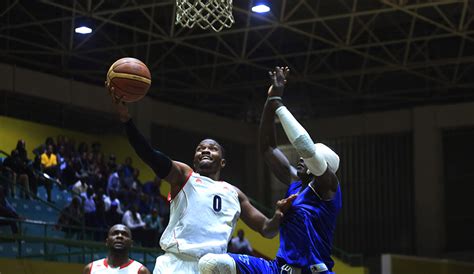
x,y
214,14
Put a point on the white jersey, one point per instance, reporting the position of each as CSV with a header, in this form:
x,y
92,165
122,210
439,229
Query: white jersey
x,y
202,217
102,267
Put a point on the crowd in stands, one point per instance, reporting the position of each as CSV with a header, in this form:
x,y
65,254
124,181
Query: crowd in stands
x,y
104,192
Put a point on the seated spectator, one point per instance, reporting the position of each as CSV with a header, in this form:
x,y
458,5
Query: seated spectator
x,y
7,211
109,200
71,215
69,173
128,170
113,182
133,220
152,188
154,228
49,162
99,219
240,245
112,216
89,206
80,186
144,206
153,221
111,163
136,184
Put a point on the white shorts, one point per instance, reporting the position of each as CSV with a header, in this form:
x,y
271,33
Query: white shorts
x,y
174,263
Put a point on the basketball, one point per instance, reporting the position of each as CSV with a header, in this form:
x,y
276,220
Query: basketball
x,y
130,78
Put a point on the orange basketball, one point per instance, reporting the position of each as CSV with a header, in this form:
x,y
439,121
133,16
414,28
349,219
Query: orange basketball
x,y
130,78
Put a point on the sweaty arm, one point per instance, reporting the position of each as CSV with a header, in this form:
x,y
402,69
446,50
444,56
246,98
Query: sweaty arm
x,y
173,172
274,157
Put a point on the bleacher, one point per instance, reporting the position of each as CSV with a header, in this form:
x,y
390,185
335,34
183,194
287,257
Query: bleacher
x,y
40,239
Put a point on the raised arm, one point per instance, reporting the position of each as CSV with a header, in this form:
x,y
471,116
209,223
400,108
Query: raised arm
x,y
172,171
274,157
255,219
320,160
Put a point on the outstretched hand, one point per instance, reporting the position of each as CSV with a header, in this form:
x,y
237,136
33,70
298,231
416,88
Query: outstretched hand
x,y
119,105
278,78
283,205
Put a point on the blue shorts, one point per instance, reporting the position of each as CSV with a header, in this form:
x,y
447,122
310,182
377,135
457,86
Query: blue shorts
x,y
250,265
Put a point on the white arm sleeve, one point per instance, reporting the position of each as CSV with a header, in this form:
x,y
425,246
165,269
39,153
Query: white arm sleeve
x,y
316,157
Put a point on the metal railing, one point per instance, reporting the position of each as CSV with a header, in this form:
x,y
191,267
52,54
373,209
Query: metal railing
x,y
84,248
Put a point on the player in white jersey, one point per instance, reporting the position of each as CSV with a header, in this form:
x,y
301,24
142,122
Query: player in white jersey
x,y
203,209
119,241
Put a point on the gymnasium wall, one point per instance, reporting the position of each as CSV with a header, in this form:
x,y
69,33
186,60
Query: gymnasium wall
x,y
398,264
35,134
425,124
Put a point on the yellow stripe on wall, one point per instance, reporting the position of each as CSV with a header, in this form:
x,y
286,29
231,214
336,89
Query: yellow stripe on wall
x,y
18,266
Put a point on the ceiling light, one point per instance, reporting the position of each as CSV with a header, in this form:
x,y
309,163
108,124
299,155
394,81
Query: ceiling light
x,y
83,30
261,8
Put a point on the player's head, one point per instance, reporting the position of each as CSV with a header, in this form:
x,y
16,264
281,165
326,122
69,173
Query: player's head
x,y
302,171
209,157
119,239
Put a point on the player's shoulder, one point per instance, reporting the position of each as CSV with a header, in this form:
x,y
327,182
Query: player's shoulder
x,y
87,269
96,265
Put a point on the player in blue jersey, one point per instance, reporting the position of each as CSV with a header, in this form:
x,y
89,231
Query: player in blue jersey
x,y
307,228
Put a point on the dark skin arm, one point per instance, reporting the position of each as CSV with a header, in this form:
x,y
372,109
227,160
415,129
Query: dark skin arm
x,y
178,172
326,184
143,270
252,217
87,269
274,157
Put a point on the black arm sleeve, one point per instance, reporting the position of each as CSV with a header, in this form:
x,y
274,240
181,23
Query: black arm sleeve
x,y
159,162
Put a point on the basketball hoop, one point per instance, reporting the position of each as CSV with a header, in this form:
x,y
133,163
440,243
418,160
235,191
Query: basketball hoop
x,y
215,14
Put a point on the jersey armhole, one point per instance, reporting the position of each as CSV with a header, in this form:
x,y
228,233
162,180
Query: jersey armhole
x,y
170,197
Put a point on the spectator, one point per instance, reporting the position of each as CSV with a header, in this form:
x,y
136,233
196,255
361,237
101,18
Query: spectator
x,y
144,206
111,164
17,166
240,245
152,188
49,162
68,174
99,219
153,221
7,211
128,168
109,200
80,186
133,220
8,176
89,206
136,184
112,216
154,228
71,215
38,178
113,183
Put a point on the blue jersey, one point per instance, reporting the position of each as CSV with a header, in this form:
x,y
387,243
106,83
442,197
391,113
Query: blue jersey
x,y
307,230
